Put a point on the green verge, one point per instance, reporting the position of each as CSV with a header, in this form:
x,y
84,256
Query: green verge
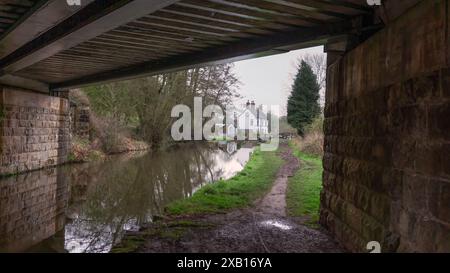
x,y
303,192
240,191
173,231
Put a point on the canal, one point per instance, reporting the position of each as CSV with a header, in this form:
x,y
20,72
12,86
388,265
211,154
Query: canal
x,y
87,207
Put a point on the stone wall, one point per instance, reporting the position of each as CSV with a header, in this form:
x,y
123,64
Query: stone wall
x,y
34,130
387,146
80,124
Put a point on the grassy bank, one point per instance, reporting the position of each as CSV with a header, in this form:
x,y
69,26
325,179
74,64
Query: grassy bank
x,y
240,191
303,193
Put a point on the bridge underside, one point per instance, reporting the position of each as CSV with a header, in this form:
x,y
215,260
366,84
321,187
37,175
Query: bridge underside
x,y
387,172
61,46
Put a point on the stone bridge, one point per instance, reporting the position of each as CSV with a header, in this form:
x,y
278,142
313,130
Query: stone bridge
x,y
387,114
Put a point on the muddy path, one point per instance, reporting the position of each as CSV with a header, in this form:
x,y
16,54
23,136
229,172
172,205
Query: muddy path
x,y
264,228
274,203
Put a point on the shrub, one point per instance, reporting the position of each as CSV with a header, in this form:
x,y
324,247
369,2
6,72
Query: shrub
x,y
78,97
108,134
81,151
313,141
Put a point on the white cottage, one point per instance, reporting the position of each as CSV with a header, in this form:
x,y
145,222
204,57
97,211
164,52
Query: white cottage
x,y
250,121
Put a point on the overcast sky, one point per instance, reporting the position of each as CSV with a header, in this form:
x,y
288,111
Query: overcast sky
x,y
268,80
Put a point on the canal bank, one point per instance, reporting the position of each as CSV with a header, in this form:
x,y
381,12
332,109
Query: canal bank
x,y
214,221
86,207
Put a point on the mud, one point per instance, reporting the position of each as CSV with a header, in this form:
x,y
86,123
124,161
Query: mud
x,y
264,228
274,202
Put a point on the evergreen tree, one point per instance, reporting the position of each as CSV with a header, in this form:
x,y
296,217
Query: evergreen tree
x,y
303,103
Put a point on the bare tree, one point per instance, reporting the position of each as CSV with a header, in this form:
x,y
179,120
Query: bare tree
x,y
318,63
147,102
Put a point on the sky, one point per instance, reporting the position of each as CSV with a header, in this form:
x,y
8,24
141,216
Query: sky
x,y
268,80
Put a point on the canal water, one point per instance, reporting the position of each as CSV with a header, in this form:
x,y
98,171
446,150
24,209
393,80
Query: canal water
x,y
87,207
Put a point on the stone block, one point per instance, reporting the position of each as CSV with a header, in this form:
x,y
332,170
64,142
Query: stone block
x,y
414,193
439,121
445,82
392,181
427,158
371,229
406,224
439,199
25,136
442,238
353,217
424,235
379,208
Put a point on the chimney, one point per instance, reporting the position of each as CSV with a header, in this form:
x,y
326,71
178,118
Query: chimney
x,y
257,116
247,104
253,106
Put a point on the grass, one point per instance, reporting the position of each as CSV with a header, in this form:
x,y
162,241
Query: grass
x,y
240,191
129,244
303,193
171,231
222,138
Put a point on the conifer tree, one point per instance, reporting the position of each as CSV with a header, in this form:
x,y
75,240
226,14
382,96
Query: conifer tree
x,y
303,103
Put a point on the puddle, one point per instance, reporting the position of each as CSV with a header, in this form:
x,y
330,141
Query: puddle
x,y
276,224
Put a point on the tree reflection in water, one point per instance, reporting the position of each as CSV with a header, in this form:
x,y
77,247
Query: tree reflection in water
x,y
123,193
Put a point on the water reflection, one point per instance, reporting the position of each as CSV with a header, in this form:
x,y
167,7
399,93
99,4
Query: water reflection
x,y
277,224
86,208
32,208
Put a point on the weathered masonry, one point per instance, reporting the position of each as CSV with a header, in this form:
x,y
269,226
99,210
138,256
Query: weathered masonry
x,y
34,130
387,172
387,159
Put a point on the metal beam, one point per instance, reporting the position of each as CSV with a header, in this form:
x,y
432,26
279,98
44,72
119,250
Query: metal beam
x,y
92,20
24,83
43,16
243,49
22,19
